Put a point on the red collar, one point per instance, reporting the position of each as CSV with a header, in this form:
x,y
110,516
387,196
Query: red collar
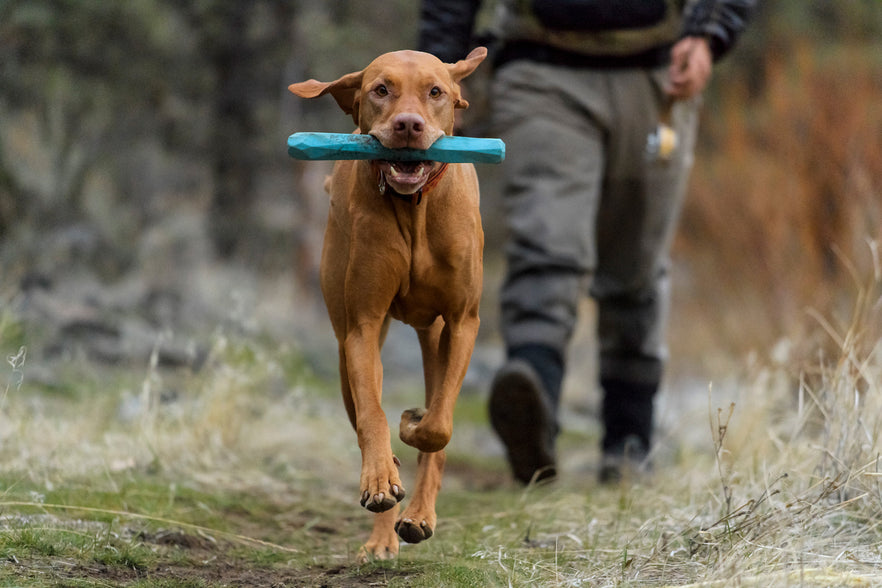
x,y
417,196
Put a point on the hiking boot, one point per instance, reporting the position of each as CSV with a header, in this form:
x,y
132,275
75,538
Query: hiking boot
x,y
625,463
627,413
522,416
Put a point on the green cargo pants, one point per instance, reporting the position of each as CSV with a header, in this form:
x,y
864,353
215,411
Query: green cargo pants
x,y
588,212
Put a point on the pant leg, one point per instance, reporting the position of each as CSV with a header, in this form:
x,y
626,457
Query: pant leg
x,y
551,121
640,208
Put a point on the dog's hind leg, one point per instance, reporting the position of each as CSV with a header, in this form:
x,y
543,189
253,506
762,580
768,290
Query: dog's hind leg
x,y
383,542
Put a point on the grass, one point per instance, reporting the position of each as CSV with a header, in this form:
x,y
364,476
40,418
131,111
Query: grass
x,y
245,473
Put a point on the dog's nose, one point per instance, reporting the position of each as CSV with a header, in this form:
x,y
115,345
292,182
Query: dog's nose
x,y
408,124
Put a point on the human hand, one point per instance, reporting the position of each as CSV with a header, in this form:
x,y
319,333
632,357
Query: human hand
x,y
690,69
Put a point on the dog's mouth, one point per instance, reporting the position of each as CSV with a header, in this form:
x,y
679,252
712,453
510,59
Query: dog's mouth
x,y
405,177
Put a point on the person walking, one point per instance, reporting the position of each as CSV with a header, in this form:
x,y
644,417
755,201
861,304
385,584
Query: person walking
x,y
597,102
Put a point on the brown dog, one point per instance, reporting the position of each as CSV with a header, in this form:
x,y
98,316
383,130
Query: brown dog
x,y
404,240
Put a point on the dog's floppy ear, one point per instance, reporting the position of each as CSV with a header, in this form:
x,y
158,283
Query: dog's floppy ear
x,y
463,68
344,90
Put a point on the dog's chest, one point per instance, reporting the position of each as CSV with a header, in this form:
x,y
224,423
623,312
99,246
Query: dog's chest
x,y
437,275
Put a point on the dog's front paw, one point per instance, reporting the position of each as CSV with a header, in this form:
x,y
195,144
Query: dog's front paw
x,y
413,532
418,429
382,491
381,501
410,420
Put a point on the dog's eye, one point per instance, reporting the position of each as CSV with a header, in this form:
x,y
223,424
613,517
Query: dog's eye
x,y
435,92
381,90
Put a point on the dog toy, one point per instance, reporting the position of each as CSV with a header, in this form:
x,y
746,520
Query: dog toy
x,y
323,146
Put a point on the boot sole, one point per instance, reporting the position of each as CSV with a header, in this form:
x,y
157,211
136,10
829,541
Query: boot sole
x,y
522,418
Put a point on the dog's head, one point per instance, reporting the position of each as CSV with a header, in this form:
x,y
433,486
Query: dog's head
x,y
400,83
406,99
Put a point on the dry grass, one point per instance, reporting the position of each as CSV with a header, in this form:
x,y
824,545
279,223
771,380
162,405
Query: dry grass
x,y
790,494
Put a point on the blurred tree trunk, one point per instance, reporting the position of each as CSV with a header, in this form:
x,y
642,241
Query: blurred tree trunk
x,y
241,40
10,196
232,159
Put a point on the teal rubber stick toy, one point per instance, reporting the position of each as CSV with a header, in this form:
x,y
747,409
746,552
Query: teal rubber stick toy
x,y
333,146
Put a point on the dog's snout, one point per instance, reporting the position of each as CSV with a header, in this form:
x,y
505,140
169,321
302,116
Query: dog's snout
x,y
409,124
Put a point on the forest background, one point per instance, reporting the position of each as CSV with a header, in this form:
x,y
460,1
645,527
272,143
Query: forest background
x,y
141,140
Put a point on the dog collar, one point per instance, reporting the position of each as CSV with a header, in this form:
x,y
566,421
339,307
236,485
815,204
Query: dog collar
x,y
417,196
